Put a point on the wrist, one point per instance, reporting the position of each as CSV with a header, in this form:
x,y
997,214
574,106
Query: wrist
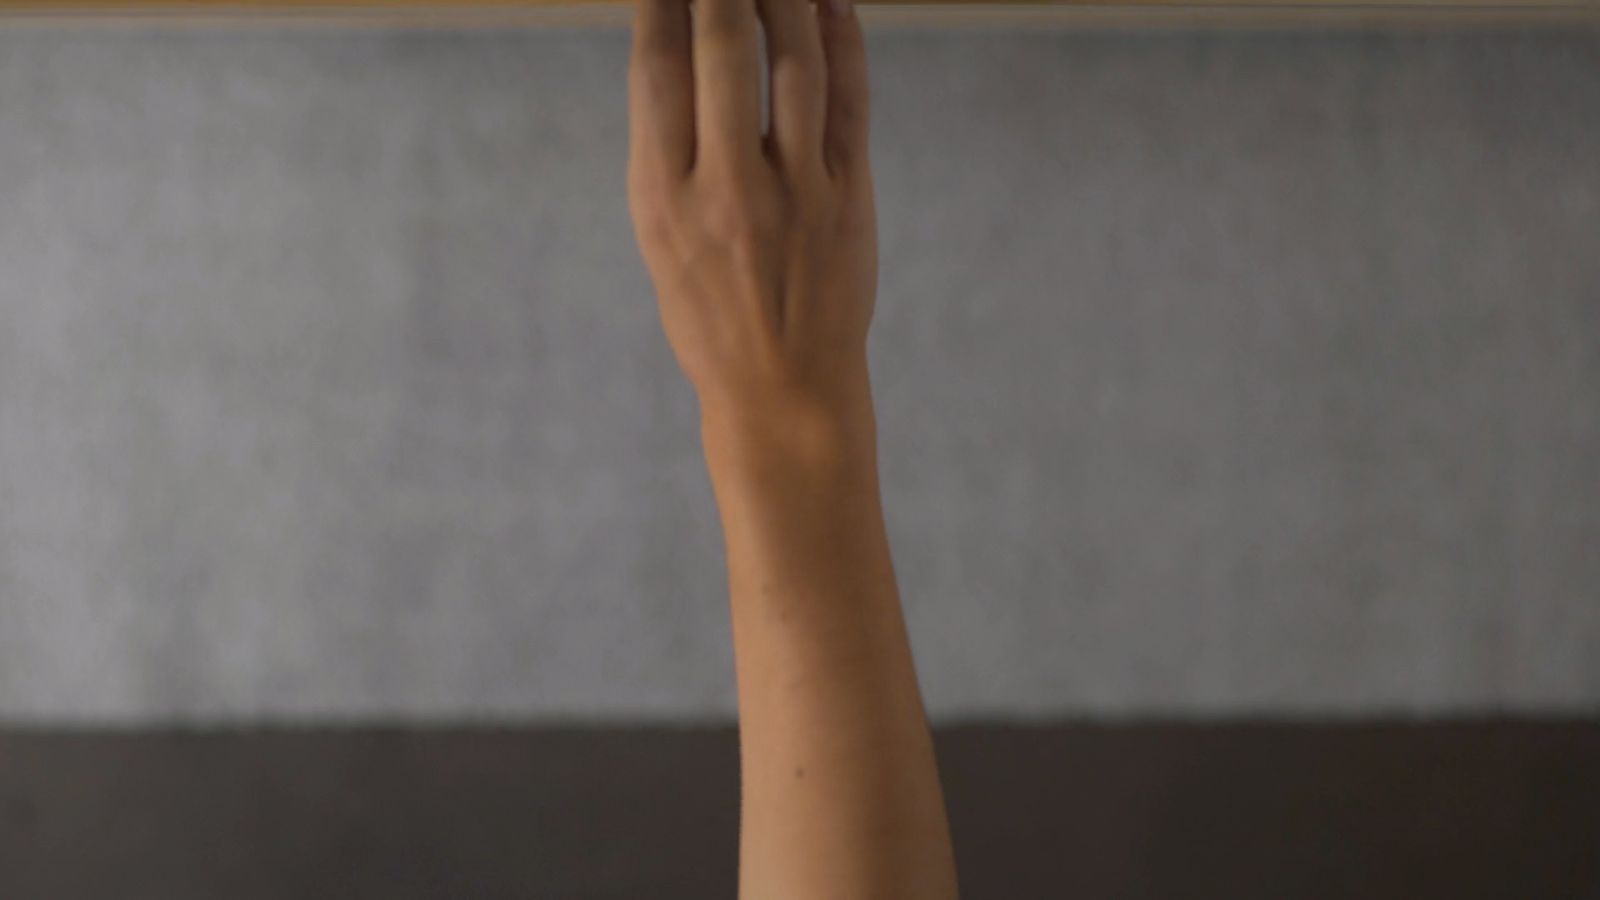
x,y
806,437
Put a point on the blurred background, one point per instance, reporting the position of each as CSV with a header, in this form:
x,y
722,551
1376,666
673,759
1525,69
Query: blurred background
x,y
1240,408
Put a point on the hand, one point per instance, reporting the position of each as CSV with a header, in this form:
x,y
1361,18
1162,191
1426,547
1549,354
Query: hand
x,y
761,241
762,245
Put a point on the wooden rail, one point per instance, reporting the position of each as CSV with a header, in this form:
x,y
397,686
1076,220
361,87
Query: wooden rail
x,y
1116,13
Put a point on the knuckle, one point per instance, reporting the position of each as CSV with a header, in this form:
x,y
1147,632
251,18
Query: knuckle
x,y
649,205
653,225
850,113
729,222
738,219
818,220
645,187
843,154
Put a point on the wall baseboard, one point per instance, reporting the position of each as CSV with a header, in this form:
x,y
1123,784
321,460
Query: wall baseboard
x,y
1443,809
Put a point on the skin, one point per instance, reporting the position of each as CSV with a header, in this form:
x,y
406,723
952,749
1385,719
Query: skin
x,y
761,241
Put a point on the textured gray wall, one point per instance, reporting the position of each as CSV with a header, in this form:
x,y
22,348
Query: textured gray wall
x,y
1253,373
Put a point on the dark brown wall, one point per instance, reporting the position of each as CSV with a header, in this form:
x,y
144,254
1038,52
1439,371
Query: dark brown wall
x,y
1492,810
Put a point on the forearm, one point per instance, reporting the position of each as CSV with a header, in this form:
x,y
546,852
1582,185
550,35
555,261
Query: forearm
x,y
761,239
841,795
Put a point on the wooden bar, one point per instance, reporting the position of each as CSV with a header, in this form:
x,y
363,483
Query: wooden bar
x,y
1103,13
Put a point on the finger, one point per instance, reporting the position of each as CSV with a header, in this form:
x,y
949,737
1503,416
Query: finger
x,y
661,86
798,81
727,81
845,137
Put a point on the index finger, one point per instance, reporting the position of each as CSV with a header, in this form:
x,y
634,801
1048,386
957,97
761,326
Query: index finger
x,y
661,86
727,71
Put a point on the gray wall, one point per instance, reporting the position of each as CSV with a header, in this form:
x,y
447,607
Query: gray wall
x,y
1251,373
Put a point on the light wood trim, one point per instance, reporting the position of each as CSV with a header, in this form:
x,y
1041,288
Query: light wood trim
x,y
1101,13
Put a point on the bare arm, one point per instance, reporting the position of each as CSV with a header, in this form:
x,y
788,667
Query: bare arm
x,y
762,245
